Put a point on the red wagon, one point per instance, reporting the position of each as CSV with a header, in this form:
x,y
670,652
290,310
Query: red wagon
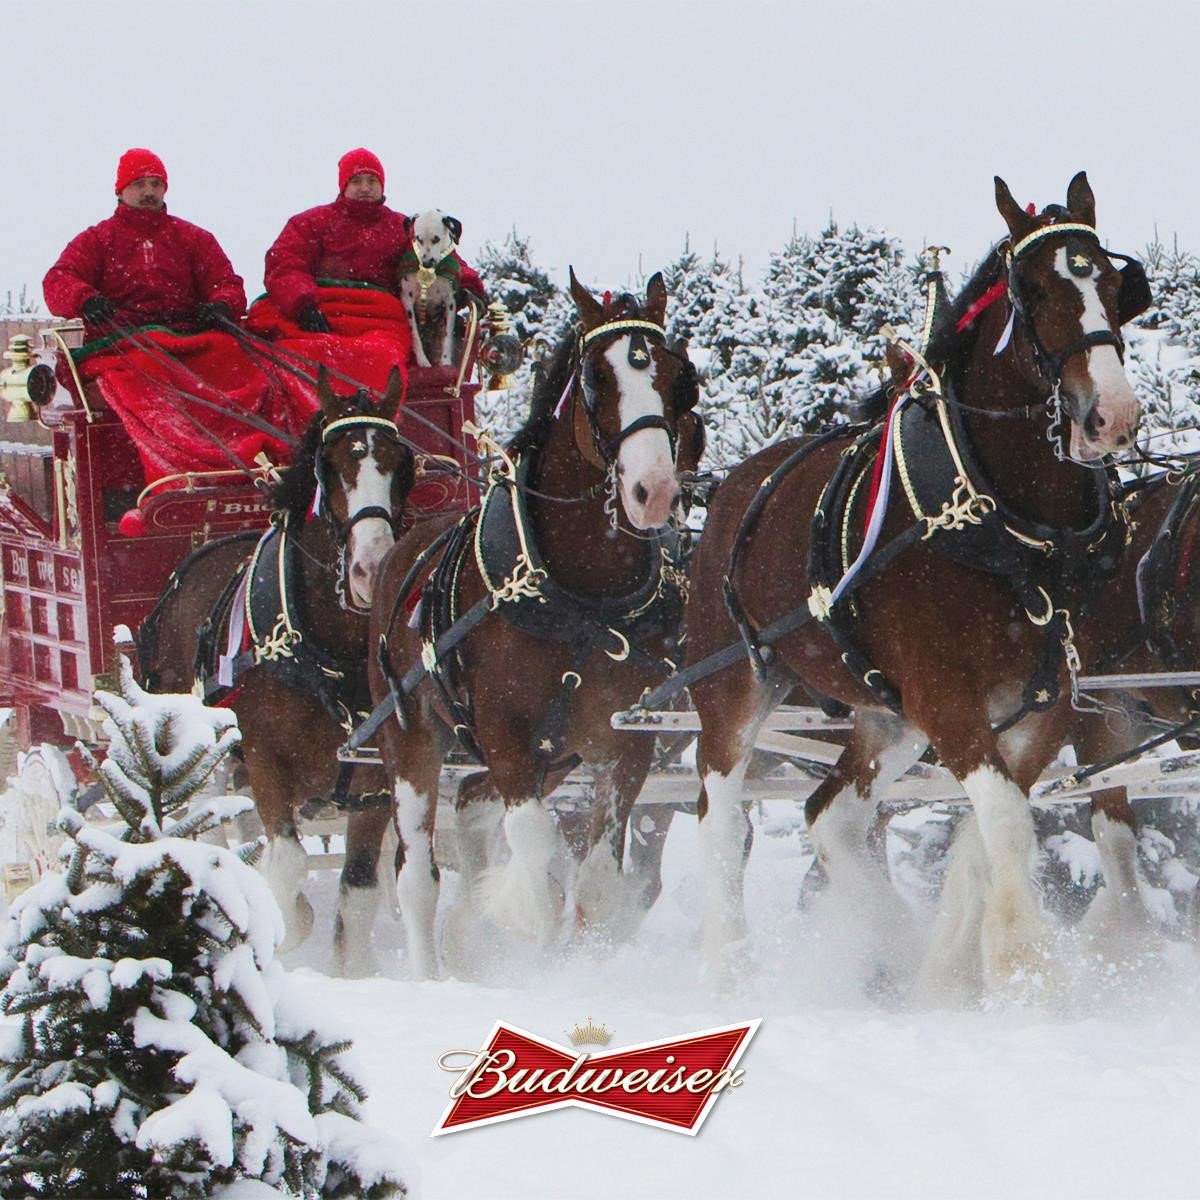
x,y
70,575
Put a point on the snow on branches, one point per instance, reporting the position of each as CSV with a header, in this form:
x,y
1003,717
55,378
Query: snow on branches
x,y
154,1047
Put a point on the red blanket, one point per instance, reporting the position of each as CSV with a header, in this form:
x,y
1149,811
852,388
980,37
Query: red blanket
x,y
370,336
180,398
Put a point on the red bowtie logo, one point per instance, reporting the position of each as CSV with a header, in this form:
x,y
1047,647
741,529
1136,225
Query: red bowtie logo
x,y
672,1084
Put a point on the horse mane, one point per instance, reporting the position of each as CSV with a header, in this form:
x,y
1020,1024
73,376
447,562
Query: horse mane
x,y
947,345
550,380
292,494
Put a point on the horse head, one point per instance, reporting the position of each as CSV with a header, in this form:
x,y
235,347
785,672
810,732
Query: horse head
x,y
364,473
1065,292
636,419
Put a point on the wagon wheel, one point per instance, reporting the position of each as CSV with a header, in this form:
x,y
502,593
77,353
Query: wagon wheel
x,y
29,807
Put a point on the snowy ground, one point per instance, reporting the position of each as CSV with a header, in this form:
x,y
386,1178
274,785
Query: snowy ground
x,y
1093,1093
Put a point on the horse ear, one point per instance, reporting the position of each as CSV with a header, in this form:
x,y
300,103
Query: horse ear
x,y
408,226
1019,222
656,298
1080,200
325,397
455,226
591,312
392,395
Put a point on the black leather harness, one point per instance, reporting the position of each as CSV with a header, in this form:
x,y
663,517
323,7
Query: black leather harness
x,y
523,592
969,526
278,635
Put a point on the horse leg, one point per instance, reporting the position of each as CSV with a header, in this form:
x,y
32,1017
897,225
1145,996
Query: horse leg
x,y
521,897
478,813
605,897
648,829
989,885
841,813
1118,912
358,893
285,863
285,866
418,879
731,712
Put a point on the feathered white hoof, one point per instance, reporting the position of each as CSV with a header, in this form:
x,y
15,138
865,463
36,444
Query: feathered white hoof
x,y
298,923
523,903
353,957
1014,938
608,902
522,897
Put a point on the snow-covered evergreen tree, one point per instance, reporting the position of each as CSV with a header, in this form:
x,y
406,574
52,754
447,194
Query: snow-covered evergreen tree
x,y
541,314
1163,360
23,304
795,353
158,1049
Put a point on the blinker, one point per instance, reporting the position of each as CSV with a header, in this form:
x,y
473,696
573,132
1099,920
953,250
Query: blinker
x,y
639,354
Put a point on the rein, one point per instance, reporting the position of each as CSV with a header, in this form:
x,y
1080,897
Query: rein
x,y
264,350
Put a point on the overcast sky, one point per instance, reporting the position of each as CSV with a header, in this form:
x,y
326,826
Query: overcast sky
x,y
606,131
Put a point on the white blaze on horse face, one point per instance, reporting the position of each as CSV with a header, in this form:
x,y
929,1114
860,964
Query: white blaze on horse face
x,y
649,486
1097,378
372,538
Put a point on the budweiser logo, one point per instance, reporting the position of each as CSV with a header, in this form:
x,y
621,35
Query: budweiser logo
x,y
672,1084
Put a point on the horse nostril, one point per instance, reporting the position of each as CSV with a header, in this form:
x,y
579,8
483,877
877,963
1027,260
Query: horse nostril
x,y
640,494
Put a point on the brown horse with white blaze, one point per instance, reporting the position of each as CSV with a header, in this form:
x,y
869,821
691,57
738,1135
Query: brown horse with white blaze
x,y
566,599
291,617
952,625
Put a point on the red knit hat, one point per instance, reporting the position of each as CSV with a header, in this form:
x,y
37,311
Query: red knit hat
x,y
137,164
354,161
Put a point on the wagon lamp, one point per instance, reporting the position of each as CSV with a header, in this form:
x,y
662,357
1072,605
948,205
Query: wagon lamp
x,y
502,352
24,382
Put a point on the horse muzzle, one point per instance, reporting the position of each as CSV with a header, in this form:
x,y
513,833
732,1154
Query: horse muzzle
x,y
1102,407
651,501
368,545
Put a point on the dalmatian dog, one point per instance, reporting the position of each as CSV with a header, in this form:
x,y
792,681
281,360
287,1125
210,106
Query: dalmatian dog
x,y
427,295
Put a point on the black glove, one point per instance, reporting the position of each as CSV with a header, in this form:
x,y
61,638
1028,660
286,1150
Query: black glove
x,y
212,314
97,309
313,320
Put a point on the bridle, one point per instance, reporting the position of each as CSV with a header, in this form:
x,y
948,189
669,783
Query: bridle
x,y
341,530
1051,363
639,359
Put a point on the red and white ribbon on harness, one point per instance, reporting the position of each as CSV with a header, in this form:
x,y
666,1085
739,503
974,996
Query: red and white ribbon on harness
x,y
880,499
235,635
563,398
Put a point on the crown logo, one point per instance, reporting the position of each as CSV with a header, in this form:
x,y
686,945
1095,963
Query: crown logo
x,y
590,1035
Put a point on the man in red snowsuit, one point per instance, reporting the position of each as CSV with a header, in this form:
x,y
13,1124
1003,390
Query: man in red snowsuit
x,y
142,266
157,296
356,239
